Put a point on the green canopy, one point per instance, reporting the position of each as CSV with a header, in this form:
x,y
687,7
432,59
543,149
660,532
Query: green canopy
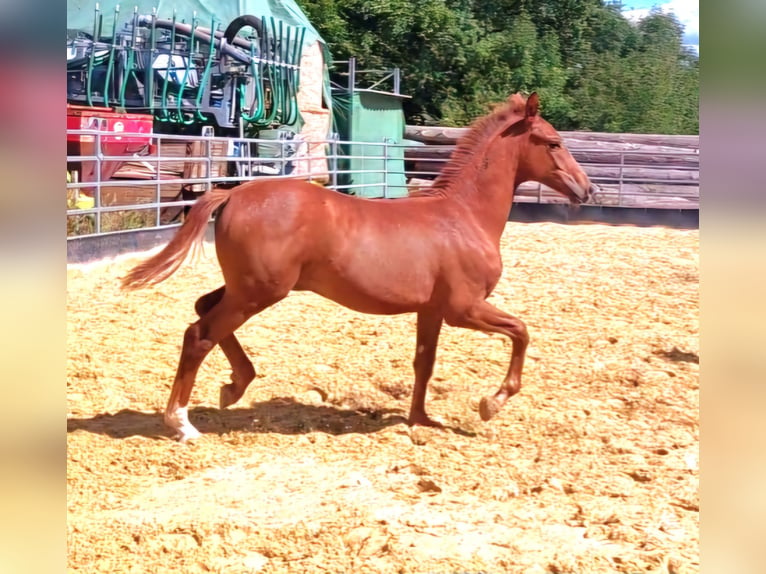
x,y
81,16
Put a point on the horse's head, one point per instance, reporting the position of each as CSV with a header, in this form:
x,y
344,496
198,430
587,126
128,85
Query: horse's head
x,y
546,158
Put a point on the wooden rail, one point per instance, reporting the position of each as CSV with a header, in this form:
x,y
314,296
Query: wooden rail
x,y
632,170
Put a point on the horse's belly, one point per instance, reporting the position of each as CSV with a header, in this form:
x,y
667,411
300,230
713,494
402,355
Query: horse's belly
x,y
374,292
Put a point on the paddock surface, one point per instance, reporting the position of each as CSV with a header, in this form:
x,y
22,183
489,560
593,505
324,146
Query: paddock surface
x,y
592,467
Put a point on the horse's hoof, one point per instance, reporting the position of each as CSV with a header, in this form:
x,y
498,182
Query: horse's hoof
x,y
187,434
424,421
177,419
489,407
227,396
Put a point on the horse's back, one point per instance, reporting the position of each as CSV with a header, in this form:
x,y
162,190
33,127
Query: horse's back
x,y
292,209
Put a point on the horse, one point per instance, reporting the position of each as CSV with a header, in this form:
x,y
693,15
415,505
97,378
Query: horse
x,y
435,253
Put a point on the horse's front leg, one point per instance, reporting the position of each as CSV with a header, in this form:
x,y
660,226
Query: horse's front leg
x,y
485,317
429,327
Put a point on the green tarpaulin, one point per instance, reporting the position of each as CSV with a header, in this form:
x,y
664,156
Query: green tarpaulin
x,y
80,13
81,17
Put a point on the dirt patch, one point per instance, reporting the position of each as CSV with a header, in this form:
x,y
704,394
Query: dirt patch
x,y
591,468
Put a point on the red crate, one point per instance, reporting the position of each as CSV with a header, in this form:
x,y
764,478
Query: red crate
x,y
85,117
112,144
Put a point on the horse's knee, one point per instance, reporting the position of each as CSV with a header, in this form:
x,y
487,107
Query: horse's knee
x,y
518,331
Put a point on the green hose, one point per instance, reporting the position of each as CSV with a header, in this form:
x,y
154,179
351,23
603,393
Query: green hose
x,y
129,63
91,61
273,77
265,68
257,71
275,66
165,115
110,65
130,60
293,80
149,69
287,72
187,71
206,73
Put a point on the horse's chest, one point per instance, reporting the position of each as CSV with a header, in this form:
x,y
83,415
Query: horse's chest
x,y
477,264
494,271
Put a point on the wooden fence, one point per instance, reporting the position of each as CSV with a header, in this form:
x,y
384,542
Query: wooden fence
x,y
631,170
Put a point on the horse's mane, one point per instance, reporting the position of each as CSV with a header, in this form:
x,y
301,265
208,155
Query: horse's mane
x,y
480,132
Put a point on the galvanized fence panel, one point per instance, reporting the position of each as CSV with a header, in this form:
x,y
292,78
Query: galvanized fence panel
x,y
123,202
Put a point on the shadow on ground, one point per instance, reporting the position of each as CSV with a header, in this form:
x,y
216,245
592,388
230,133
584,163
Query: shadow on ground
x,y
279,415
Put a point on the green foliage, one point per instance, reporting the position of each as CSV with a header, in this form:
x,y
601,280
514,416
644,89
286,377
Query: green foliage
x,y
594,70
653,87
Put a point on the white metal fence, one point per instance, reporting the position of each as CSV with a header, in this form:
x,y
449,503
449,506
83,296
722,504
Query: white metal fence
x,y
151,187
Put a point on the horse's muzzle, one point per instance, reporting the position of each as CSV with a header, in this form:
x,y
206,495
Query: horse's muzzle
x,y
586,193
580,193
591,192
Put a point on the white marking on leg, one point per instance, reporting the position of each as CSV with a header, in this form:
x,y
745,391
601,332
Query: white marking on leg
x,y
421,348
178,420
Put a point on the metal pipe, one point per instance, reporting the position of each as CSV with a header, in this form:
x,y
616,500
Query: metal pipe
x,y
92,59
98,21
112,51
198,34
130,58
99,157
165,114
187,74
158,189
149,69
208,133
351,74
205,75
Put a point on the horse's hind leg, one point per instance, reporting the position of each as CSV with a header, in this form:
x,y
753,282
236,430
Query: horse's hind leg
x,y
485,317
242,370
200,337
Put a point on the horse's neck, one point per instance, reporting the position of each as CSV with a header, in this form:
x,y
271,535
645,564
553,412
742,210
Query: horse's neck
x,y
488,189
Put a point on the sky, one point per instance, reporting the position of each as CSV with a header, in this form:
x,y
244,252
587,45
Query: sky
x,y
687,12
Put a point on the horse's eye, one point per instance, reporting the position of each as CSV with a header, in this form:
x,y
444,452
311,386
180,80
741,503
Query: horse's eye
x,y
554,145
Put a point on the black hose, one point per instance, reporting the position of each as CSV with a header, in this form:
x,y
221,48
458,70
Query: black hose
x,y
241,22
186,29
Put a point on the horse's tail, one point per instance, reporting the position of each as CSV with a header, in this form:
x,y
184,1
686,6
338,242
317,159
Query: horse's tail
x,y
162,265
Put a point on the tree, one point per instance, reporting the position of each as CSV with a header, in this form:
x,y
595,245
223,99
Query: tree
x,y
593,69
427,39
647,84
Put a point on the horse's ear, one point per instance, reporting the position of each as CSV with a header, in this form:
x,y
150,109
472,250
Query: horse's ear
x,y
533,105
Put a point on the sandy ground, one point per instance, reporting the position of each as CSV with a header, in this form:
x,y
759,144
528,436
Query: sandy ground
x,y
591,468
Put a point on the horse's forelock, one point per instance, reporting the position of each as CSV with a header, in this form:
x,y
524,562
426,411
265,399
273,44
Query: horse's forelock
x,y
517,103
